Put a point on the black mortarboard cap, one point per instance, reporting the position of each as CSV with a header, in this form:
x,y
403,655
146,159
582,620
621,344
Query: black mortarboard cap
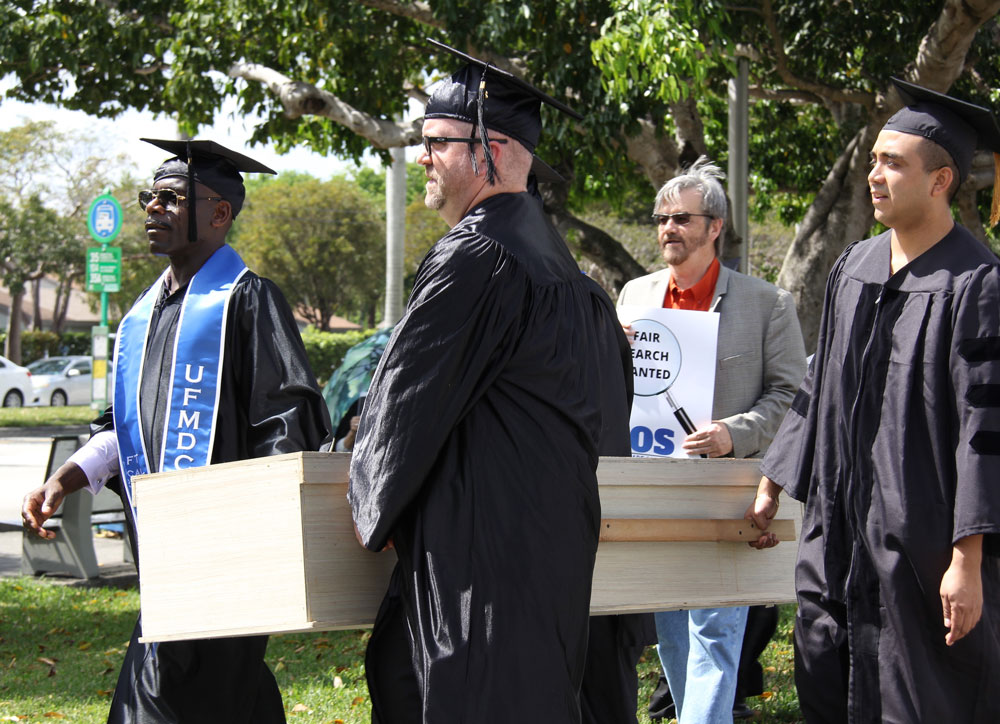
x,y
488,97
208,163
957,126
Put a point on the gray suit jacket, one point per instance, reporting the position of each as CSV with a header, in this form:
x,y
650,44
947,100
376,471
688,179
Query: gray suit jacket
x,y
760,359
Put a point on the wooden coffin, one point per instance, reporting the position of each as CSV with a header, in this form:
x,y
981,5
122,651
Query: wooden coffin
x,y
268,546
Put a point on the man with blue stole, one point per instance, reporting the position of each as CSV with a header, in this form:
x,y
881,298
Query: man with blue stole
x,y
209,368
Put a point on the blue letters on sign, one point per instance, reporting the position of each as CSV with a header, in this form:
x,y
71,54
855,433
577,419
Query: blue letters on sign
x,y
658,441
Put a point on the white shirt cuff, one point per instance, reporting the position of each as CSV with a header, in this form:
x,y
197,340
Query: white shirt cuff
x,y
98,459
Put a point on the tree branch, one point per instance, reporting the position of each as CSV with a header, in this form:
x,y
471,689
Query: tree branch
x,y
942,53
414,10
300,99
656,155
788,95
785,73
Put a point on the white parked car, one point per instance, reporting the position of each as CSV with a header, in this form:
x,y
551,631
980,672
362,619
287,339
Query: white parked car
x,y
15,384
59,381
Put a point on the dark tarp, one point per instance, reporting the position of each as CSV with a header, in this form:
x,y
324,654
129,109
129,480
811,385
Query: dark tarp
x,y
893,443
269,404
506,378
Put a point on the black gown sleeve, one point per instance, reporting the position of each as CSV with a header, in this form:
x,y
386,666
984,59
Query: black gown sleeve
x,y
442,356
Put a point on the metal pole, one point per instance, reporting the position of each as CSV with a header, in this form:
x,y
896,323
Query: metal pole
x,y
739,141
395,229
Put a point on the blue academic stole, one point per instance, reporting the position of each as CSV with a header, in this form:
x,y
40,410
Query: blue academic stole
x,y
199,347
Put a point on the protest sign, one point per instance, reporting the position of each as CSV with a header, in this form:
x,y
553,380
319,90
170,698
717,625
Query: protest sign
x,y
673,366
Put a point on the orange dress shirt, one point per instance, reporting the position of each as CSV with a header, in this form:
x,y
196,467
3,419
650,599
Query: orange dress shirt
x,y
697,298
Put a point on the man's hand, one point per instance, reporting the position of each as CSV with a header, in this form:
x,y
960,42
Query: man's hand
x,y
962,588
713,440
39,505
762,511
352,434
629,332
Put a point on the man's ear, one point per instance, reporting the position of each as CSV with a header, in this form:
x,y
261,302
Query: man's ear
x,y
715,228
941,180
222,213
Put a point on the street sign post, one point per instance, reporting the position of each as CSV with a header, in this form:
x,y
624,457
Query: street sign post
x,y
104,274
104,269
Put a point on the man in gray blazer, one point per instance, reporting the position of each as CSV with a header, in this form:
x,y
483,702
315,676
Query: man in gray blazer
x,y
760,364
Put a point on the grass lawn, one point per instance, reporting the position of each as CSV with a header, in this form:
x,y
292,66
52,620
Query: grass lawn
x,y
45,416
61,648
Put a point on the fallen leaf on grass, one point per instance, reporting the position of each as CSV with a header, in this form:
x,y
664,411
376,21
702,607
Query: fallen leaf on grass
x,y
358,700
338,721
770,669
338,683
105,692
300,649
18,588
299,707
54,715
46,661
279,666
84,645
767,695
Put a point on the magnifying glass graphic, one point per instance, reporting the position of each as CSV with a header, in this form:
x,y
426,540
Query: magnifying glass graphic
x,y
656,361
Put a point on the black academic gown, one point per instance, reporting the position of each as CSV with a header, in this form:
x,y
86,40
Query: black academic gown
x,y
269,404
893,444
506,378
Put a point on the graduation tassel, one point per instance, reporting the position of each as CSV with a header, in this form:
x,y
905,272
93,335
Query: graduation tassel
x,y
191,202
995,206
491,169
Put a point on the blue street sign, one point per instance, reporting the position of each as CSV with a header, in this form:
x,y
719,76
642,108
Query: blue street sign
x,y
104,220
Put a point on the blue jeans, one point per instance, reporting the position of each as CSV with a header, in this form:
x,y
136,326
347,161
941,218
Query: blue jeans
x,y
700,651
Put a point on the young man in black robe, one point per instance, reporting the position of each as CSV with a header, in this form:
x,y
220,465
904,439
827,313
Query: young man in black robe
x,y
236,348
893,444
506,378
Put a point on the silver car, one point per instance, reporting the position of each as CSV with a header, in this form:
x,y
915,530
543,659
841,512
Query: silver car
x,y
15,384
59,381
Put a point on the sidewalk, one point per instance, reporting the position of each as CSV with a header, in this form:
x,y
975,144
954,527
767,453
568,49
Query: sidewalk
x,y
113,572
23,456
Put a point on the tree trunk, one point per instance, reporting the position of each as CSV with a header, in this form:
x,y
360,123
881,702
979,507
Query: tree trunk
x,y
12,345
36,305
596,245
61,308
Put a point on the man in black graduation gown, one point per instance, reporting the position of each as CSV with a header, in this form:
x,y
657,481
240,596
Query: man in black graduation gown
x,y
893,444
268,403
506,378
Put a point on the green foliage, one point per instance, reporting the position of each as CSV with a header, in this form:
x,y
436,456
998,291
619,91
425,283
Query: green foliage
x,y
326,350
664,50
423,228
32,242
72,415
36,343
372,182
322,242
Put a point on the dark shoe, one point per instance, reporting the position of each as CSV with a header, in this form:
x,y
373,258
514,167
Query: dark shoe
x,y
741,710
661,703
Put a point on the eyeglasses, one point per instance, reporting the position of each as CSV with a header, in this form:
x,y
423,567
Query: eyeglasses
x,y
431,140
682,218
168,197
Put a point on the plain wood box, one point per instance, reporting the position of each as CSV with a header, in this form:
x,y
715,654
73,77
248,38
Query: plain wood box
x,y
268,546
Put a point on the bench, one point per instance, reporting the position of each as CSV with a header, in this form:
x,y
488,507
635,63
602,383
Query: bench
x,y
71,552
